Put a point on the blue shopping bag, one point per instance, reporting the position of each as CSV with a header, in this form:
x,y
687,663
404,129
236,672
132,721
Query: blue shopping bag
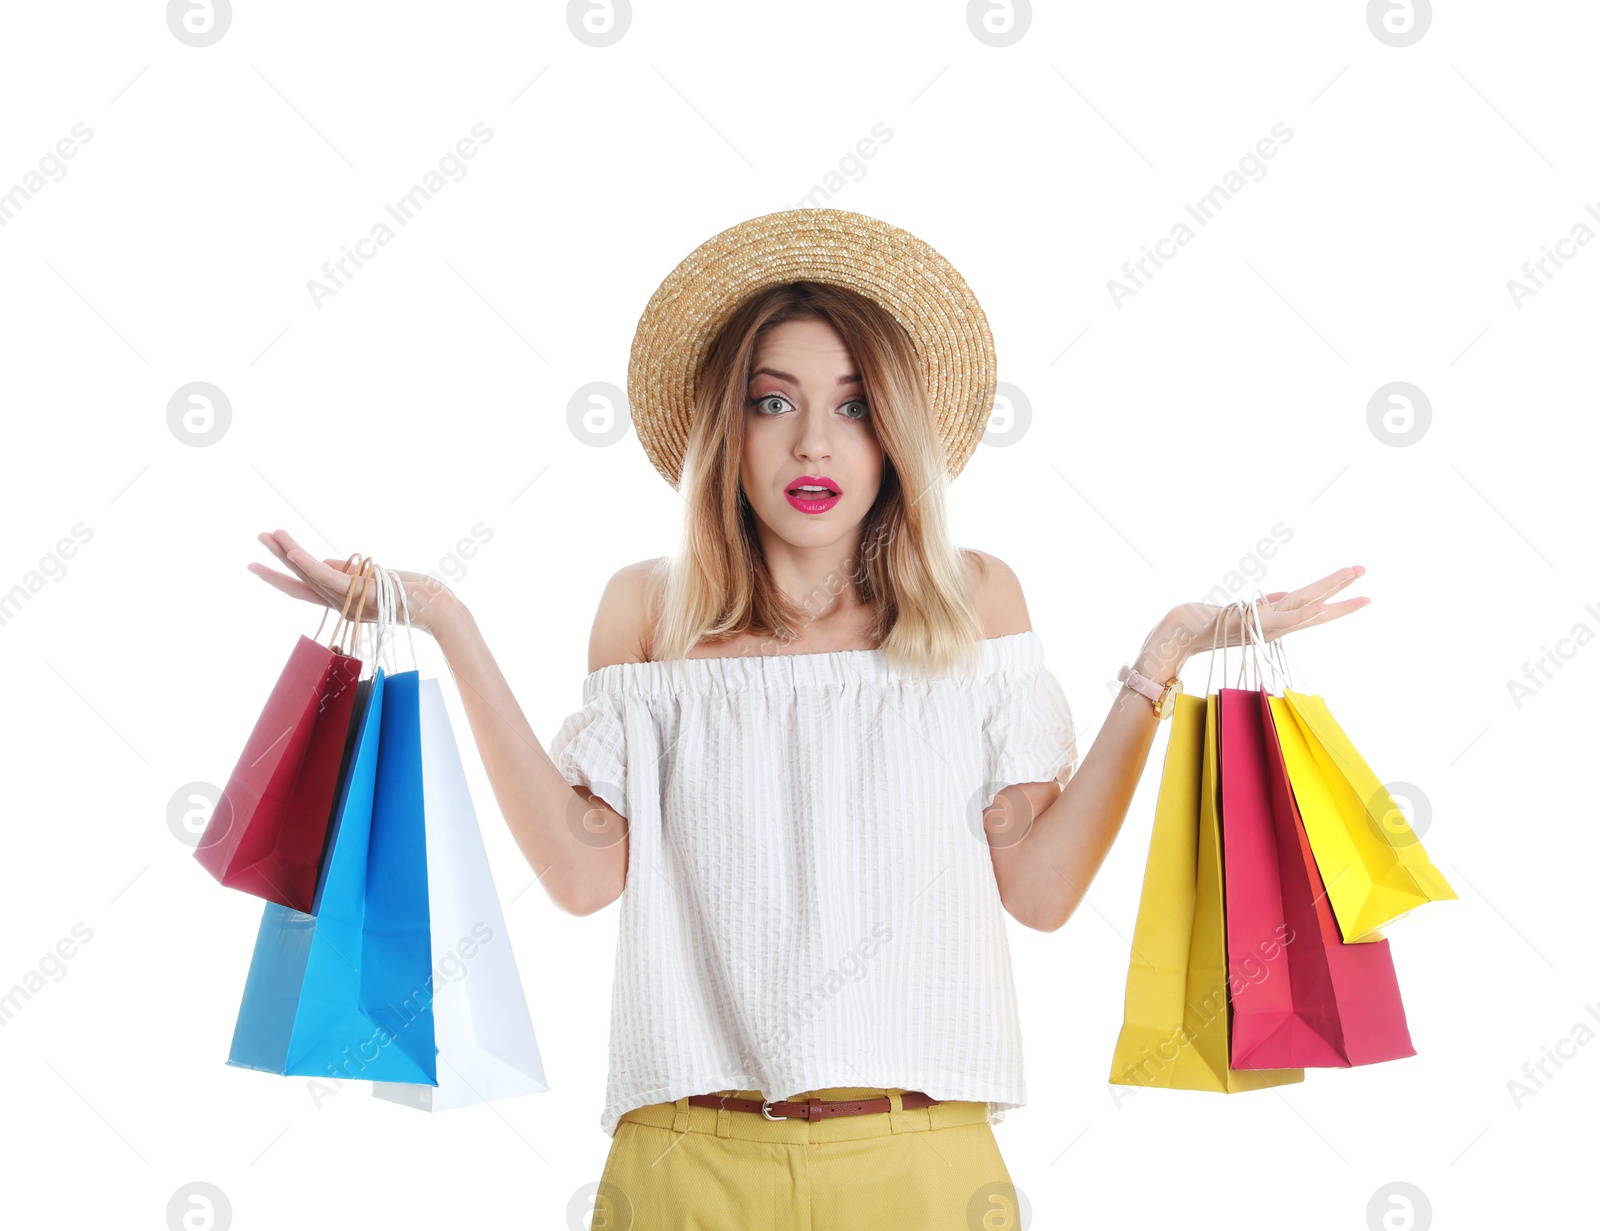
x,y
346,990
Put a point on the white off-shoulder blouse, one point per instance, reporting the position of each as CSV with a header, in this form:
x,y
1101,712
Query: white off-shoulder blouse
x,y
810,899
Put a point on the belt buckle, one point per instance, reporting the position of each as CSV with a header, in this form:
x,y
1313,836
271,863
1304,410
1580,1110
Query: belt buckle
x,y
765,1103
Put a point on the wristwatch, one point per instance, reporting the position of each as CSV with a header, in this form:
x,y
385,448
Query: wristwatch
x,y
1162,696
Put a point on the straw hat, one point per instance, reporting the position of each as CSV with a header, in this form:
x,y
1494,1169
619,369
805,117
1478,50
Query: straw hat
x,y
911,281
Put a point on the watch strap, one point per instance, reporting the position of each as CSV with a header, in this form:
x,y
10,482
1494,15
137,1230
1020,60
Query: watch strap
x,y
1158,694
1142,684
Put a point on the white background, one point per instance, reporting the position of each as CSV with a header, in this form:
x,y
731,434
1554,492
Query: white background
x,y
1167,436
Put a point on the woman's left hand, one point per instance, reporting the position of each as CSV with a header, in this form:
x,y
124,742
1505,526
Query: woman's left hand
x,y
1192,628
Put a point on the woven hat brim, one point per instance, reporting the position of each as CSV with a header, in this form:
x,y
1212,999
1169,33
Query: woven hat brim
x,y
913,282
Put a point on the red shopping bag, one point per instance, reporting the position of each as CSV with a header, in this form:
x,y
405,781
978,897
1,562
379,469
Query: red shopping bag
x,y
1301,997
267,833
1371,1015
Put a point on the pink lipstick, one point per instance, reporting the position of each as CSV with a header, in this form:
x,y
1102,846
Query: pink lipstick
x,y
805,495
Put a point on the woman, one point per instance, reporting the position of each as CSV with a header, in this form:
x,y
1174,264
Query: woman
x,y
819,756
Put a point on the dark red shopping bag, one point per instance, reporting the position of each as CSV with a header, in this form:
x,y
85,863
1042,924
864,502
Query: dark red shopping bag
x,y
1301,996
267,833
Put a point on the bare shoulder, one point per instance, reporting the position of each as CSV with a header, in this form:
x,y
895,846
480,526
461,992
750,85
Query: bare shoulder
x,y
626,613
997,593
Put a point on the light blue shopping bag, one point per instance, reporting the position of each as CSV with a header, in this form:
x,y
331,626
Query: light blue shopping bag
x,y
346,990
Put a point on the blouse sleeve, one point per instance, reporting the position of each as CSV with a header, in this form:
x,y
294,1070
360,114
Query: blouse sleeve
x,y
1028,732
590,750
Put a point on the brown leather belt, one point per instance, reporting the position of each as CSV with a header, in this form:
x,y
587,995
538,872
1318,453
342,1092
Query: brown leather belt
x,y
812,1109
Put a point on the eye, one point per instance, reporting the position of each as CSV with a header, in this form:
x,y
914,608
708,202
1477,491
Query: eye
x,y
859,403
760,402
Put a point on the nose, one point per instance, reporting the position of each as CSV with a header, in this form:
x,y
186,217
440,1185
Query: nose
x,y
814,440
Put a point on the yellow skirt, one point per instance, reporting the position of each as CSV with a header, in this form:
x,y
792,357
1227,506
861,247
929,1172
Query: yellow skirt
x,y
673,1167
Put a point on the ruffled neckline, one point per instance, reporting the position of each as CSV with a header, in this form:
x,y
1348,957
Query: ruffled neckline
x,y
827,668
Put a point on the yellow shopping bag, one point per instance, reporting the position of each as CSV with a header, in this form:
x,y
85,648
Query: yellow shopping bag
x,y
1370,858
1176,1012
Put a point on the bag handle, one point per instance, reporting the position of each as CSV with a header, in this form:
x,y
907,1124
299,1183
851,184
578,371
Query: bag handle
x,y
1244,608
345,568
405,610
377,632
1275,656
1254,648
1246,643
346,626
380,626
1255,634
1244,640
1288,668
353,624
1219,628
391,589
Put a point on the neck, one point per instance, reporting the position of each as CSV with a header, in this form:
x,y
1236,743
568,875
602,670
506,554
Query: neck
x,y
818,580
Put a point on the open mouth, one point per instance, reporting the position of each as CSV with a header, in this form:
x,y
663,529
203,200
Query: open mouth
x,y
813,497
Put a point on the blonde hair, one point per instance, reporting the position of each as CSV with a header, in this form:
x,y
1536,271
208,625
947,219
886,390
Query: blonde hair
x,y
717,586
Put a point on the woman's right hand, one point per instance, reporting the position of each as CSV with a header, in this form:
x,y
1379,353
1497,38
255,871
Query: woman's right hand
x,y
325,583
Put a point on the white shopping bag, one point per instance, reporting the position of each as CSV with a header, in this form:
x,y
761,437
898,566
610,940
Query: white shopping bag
x,y
487,1049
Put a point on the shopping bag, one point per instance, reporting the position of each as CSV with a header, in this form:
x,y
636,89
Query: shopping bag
x,y
486,1044
340,992
1295,1001
269,829
1372,1018
1176,1010
1282,992
1367,853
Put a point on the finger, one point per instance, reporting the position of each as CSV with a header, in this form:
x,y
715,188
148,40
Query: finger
x,y
330,575
1317,591
271,544
279,548
327,578
291,587
281,542
318,573
1322,588
296,557
1306,617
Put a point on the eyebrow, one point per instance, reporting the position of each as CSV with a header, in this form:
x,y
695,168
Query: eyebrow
x,y
852,379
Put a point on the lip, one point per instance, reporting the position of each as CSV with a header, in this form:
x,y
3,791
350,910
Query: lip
x,y
821,505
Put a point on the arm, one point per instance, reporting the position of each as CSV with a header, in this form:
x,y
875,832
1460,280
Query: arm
x,y
1044,874
545,813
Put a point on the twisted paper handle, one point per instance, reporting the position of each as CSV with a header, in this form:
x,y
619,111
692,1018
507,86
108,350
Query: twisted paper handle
x,y
346,625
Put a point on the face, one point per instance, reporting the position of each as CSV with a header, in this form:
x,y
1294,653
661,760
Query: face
x,y
807,422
